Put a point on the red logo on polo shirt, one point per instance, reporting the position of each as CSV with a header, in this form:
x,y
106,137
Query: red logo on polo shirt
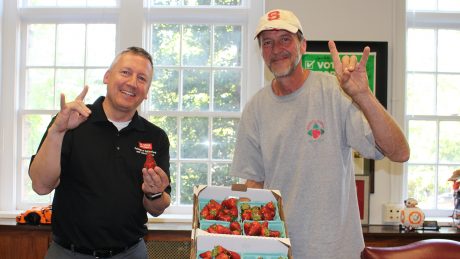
x,y
145,146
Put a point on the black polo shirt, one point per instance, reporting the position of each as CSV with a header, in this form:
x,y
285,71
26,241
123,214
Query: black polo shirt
x,y
98,203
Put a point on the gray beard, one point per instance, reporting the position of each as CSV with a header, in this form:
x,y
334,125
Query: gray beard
x,y
290,71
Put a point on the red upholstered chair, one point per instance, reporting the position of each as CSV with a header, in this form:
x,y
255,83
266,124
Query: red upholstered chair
x,y
424,249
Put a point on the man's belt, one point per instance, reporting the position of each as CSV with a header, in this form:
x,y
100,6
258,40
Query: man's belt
x,y
97,253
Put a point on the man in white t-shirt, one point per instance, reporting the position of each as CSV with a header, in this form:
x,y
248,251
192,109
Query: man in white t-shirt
x,y
296,135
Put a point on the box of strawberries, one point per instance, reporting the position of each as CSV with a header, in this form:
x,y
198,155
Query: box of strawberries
x,y
238,222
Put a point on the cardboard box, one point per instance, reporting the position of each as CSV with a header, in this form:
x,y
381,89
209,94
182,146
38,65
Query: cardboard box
x,y
245,246
249,246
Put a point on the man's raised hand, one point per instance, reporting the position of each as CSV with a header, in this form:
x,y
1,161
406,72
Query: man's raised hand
x,y
72,114
352,75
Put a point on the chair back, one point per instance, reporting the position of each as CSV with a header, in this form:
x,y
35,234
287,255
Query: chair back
x,y
424,249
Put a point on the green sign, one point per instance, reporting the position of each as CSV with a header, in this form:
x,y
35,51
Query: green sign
x,y
322,61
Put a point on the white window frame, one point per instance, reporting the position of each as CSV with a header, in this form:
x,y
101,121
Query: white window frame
x,y
126,17
430,20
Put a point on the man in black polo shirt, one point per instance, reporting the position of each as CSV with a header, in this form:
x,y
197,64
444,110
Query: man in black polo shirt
x,y
93,157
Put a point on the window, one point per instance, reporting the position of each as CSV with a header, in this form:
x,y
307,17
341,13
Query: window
x,y
200,83
432,107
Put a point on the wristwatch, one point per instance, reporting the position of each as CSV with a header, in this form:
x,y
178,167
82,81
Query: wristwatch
x,y
153,196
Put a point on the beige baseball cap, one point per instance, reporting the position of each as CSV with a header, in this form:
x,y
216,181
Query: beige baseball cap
x,y
279,19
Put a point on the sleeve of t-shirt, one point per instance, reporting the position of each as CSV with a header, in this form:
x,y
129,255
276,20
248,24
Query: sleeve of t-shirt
x,y
247,159
359,134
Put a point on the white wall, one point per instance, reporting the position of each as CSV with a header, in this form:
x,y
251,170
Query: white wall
x,y
363,20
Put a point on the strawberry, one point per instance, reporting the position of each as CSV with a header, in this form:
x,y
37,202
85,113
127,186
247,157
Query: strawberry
x,y
149,161
204,212
275,233
224,217
255,213
247,227
265,232
229,203
222,256
246,215
206,254
235,226
234,213
255,229
218,250
212,229
270,205
236,232
222,230
265,224
234,255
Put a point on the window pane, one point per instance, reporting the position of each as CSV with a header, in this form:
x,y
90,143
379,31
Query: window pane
x,y
39,89
101,44
422,151
173,183
449,142
448,51
166,44
94,80
194,139
27,192
71,3
445,191
40,44
227,89
196,90
70,45
196,45
449,5
421,94
33,128
421,5
223,137
421,50
41,3
100,3
191,174
69,82
228,2
196,2
220,175
164,91
448,94
166,2
227,46
169,125
421,185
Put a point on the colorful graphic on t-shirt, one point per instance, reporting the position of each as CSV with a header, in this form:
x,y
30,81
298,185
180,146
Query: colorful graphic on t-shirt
x,y
315,129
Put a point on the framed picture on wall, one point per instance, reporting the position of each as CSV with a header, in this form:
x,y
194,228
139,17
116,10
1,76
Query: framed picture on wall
x,y
318,58
362,191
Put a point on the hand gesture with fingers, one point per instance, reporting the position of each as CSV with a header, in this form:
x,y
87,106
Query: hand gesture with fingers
x,y
352,76
72,114
155,180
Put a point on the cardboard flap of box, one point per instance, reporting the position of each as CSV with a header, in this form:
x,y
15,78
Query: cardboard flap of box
x,y
222,192
240,245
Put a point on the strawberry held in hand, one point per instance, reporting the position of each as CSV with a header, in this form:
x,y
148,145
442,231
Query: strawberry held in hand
x,y
149,161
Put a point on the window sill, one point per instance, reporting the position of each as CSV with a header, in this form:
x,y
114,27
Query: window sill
x,y
173,222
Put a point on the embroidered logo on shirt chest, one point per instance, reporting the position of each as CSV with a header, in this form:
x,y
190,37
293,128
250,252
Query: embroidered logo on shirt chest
x,y
144,148
315,129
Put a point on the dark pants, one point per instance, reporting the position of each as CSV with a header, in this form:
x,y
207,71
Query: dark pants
x,y
138,251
